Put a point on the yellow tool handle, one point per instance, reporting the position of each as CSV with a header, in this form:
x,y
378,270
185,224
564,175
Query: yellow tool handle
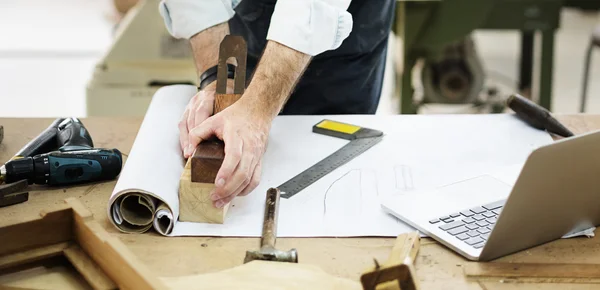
x,y
344,130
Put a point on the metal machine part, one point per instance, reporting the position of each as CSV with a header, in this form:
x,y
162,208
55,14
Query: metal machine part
x,y
427,27
594,43
143,58
455,76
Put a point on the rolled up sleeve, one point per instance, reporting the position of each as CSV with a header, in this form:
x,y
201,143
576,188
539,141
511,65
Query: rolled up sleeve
x,y
185,18
311,26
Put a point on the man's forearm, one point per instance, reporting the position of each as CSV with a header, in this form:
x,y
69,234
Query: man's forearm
x,y
276,75
205,46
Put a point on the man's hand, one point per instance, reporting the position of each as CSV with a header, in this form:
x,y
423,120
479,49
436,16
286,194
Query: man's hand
x,y
205,47
244,126
198,109
244,129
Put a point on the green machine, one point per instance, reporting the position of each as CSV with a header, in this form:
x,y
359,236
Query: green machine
x,y
438,32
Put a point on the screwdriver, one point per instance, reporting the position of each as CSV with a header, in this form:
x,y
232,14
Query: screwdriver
x,y
536,115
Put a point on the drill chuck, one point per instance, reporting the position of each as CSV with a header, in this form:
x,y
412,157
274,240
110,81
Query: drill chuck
x,y
19,169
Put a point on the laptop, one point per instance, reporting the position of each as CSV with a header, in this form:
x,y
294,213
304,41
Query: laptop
x,y
557,192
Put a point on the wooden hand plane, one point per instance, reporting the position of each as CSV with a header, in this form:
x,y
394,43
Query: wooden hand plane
x,y
198,178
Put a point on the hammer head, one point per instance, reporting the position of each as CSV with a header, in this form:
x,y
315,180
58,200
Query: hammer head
x,y
271,254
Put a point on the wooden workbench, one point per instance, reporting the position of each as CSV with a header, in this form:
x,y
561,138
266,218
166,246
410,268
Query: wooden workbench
x,y
437,267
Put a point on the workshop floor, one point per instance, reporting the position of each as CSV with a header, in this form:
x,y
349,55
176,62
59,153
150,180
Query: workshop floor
x,y
48,50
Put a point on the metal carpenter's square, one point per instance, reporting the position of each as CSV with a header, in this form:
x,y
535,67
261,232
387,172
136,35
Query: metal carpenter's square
x,y
361,139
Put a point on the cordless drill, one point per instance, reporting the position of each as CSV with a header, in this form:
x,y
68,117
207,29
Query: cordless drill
x,y
75,160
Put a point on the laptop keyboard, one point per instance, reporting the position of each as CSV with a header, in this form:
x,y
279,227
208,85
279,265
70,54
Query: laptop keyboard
x,y
472,226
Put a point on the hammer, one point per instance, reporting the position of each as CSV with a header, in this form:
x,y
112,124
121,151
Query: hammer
x,y
267,250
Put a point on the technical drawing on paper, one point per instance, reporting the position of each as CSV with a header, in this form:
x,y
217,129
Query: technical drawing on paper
x,y
404,177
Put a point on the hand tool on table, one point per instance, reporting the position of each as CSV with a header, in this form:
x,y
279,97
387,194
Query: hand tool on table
x,y
198,178
74,161
361,139
62,168
15,193
398,270
209,154
267,251
44,142
536,115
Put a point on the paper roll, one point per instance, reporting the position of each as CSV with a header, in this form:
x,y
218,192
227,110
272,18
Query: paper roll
x,y
146,194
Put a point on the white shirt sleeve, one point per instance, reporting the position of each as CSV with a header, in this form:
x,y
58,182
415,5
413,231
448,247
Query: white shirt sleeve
x,y
311,26
185,18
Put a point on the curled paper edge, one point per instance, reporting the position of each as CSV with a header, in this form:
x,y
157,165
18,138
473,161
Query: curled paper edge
x,y
165,211
585,233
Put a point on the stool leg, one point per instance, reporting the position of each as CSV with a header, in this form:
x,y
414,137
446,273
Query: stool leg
x,y
586,76
547,72
526,63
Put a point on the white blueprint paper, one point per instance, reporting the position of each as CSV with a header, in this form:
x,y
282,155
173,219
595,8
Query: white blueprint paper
x,y
417,152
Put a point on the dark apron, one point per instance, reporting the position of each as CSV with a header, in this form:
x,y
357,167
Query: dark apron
x,y
347,80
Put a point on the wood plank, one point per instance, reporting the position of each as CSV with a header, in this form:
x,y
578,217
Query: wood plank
x,y
79,210
90,271
264,275
112,256
538,272
45,278
51,228
195,204
33,255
